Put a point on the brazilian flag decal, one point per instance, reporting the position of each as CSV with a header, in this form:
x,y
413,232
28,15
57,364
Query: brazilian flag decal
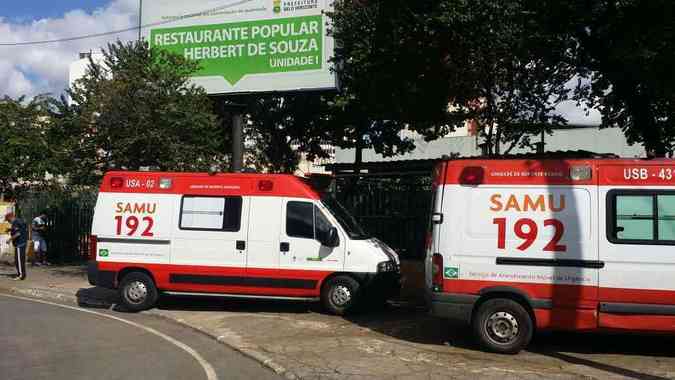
x,y
451,272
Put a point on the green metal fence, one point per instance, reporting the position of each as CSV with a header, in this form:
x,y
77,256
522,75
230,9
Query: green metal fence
x,y
68,224
395,210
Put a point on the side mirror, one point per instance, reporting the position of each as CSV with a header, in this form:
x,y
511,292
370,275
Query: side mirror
x,y
331,238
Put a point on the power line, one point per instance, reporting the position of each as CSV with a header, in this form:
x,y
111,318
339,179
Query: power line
x,y
119,31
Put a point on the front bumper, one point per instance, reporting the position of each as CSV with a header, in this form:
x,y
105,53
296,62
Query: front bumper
x,y
385,285
457,307
102,278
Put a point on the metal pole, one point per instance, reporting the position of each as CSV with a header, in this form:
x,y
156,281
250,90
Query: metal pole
x,y
140,18
237,141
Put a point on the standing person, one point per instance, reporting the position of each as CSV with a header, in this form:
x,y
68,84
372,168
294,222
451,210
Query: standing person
x,y
19,237
38,228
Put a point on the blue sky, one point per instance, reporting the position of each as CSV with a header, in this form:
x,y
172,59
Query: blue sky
x,y
31,10
34,69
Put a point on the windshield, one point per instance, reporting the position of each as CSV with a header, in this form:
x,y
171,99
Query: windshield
x,y
346,220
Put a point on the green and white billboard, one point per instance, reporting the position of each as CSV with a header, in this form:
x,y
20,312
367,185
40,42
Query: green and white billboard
x,y
246,45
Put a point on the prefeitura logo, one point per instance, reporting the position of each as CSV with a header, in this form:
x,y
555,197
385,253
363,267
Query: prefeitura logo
x,y
280,6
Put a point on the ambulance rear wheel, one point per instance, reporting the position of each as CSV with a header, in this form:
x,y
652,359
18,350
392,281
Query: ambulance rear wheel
x,y
339,294
503,326
138,291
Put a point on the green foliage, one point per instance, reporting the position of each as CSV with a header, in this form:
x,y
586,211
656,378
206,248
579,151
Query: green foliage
x,y
504,81
25,152
402,64
279,128
623,52
137,109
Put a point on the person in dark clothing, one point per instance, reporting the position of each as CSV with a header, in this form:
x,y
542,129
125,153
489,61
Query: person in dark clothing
x,y
19,237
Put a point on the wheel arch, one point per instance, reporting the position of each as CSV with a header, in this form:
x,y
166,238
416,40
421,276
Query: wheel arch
x,y
507,292
326,279
131,269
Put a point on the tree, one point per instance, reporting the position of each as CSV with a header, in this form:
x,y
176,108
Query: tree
x,y
381,60
280,128
624,54
137,109
25,155
430,66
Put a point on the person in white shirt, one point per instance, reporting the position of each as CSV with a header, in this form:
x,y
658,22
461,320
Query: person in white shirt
x,y
38,228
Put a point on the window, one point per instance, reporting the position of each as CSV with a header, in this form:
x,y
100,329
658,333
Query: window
x,y
305,220
210,213
641,217
300,220
346,220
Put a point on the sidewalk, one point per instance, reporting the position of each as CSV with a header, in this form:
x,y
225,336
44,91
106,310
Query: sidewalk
x,y
299,341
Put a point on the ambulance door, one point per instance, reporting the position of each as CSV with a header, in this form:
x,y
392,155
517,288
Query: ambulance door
x,y
210,241
304,222
538,240
637,282
263,235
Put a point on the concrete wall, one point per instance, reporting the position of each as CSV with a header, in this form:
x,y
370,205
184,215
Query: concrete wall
x,y
592,139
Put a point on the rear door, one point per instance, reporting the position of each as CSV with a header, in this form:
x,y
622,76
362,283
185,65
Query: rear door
x,y
134,227
540,240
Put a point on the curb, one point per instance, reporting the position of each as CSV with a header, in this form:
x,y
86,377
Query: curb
x,y
257,355
251,353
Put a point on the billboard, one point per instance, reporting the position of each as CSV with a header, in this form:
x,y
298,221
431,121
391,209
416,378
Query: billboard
x,y
246,45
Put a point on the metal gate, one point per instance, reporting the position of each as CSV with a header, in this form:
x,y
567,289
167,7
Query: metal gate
x,y
395,210
68,224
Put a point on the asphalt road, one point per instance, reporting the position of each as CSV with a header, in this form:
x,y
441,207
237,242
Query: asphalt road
x,y
44,341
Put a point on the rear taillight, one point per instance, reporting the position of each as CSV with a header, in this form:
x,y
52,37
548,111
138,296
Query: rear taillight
x,y
437,272
93,242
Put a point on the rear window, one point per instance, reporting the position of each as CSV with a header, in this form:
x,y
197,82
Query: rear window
x,y
210,213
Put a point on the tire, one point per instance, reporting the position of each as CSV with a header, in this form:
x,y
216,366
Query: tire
x,y
340,295
503,326
138,292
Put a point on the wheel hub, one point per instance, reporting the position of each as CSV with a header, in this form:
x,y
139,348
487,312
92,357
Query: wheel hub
x,y
502,327
136,292
341,295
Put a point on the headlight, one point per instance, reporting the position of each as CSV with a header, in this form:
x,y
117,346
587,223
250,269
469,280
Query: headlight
x,y
386,266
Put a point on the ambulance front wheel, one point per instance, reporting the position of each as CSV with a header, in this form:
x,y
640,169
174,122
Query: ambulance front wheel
x,y
138,291
339,294
503,325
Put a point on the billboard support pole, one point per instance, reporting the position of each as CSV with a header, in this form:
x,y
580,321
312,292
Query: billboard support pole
x,y
237,140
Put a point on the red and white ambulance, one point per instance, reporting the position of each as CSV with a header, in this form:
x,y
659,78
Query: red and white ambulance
x,y
522,245
240,235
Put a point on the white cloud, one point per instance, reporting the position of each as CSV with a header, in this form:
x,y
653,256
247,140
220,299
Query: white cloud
x,y
35,69
578,114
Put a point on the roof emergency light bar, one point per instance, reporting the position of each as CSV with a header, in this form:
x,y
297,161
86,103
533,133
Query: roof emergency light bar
x,y
581,173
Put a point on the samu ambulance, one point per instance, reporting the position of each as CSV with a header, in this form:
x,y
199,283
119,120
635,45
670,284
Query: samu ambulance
x,y
524,245
239,235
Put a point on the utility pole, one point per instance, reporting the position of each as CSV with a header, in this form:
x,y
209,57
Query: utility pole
x,y
140,18
237,140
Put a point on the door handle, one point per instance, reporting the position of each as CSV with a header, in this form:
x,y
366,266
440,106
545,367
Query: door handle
x,y
284,247
241,245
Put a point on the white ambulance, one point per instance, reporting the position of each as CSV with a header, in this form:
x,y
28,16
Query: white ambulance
x,y
239,235
523,245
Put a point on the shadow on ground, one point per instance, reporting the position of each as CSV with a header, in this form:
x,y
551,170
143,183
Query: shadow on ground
x,y
195,303
415,325
98,297
69,271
